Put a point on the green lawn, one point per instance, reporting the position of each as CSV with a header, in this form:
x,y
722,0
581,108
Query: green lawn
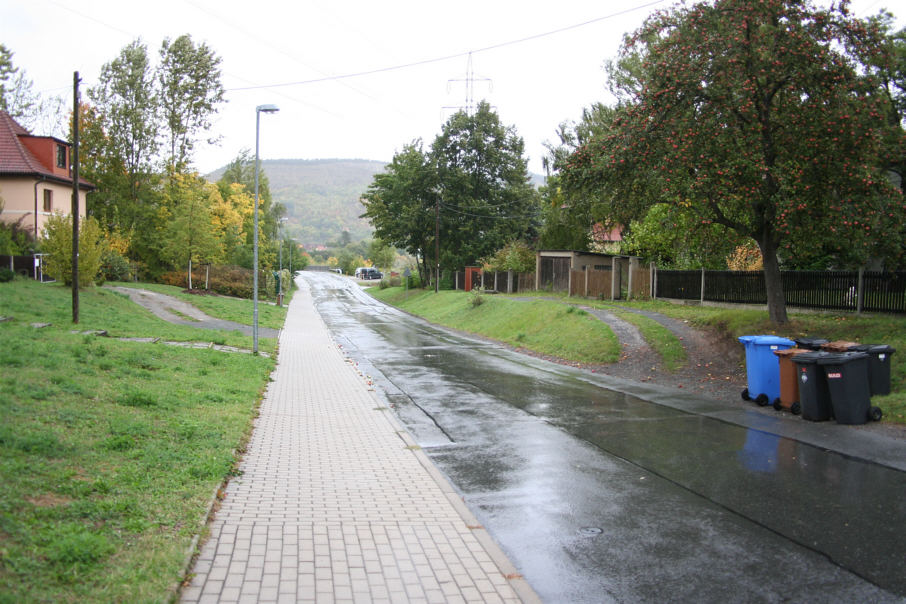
x,y
542,326
110,450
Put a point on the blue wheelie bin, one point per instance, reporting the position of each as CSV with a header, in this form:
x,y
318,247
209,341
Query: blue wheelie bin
x,y
763,367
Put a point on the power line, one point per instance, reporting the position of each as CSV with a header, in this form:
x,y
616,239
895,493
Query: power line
x,y
489,217
359,74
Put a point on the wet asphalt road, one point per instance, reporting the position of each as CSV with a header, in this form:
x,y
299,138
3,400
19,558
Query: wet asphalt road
x,y
597,495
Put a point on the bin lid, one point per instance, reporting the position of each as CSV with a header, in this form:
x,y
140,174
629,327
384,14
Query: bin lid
x,y
773,341
810,357
746,339
875,348
839,346
810,343
791,352
841,358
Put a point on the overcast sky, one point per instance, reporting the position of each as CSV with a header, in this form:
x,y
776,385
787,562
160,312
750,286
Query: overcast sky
x,y
537,62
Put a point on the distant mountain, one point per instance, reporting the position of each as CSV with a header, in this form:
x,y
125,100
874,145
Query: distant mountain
x,y
322,196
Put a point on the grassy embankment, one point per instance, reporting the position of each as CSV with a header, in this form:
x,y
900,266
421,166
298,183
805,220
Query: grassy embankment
x,y
553,328
111,450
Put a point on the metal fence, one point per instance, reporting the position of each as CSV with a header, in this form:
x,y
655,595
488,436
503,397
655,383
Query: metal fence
x,y
828,290
26,266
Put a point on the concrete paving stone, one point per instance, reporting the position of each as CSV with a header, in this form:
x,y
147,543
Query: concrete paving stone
x,y
212,587
233,579
270,580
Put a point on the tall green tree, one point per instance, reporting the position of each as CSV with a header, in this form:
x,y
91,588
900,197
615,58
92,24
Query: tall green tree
x,y
190,235
190,93
485,193
400,204
127,103
760,117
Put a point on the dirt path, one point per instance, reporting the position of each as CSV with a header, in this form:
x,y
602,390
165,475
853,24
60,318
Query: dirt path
x,y
176,311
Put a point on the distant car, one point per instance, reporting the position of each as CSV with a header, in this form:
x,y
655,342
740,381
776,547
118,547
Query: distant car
x,y
359,271
371,273
338,271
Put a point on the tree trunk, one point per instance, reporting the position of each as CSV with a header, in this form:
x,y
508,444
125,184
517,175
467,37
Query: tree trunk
x,y
773,284
190,274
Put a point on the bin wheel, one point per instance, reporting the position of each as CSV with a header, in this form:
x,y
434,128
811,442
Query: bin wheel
x,y
875,414
745,395
796,408
762,399
777,406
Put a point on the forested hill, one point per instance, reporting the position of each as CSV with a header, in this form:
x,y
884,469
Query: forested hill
x,y
322,196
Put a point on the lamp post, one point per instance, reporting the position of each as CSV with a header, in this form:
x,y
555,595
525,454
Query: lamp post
x,y
258,110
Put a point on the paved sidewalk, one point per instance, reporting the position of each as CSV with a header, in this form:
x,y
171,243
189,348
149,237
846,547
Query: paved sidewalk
x,y
336,503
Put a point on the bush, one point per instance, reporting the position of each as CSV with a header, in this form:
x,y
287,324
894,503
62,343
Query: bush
x,y
477,297
6,275
233,281
114,267
58,246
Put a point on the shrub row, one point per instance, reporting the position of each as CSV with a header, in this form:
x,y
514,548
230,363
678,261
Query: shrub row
x,y
225,280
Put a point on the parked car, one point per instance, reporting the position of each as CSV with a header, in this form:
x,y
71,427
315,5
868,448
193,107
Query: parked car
x,y
372,273
358,272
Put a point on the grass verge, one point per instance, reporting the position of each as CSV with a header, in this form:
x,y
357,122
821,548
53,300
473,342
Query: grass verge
x,y
543,326
109,450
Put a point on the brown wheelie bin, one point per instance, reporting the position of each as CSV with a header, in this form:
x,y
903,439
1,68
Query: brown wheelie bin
x,y
789,381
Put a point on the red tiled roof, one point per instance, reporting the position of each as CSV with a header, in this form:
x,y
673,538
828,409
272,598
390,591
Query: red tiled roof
x,y
16,159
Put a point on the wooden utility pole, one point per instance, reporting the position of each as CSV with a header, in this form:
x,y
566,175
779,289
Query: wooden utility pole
x,y
75,197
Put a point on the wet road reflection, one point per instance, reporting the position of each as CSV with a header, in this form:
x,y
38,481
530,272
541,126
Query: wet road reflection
x,y
601,496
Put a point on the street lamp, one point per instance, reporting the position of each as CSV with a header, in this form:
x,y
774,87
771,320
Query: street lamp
x,y
258,110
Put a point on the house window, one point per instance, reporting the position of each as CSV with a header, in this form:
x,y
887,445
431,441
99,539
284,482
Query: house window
x,y
61,156
48,200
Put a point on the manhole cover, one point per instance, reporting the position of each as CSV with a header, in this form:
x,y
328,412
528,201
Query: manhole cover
x,y
590,531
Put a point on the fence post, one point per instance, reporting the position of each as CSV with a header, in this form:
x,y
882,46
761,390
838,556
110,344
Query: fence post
x,y
702,301
653,280
633,268
861,291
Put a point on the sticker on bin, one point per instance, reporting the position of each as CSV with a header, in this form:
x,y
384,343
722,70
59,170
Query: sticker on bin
x,y
881,357
803,378
774,347
835,375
